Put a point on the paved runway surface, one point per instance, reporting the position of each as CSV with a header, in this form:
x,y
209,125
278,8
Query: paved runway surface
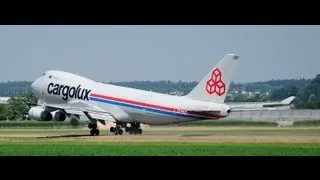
x,y
174,134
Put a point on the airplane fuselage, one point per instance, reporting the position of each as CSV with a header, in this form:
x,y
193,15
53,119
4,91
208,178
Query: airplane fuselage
x,y
57,87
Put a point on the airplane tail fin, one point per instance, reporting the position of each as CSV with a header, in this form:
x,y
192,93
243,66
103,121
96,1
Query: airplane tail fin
x,y
215,85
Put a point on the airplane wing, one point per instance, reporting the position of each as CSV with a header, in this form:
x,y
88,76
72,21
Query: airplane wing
x,y
86,109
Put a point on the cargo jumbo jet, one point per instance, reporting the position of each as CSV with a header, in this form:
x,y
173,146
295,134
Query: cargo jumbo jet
x,y
72,95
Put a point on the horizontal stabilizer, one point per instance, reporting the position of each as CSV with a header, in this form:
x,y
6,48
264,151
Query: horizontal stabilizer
x,y
260,109
261,106
288,100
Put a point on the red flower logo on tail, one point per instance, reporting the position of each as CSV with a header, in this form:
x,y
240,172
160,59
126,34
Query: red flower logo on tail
x,y
215,83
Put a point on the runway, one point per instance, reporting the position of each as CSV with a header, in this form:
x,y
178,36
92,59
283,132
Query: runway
x,y
173,134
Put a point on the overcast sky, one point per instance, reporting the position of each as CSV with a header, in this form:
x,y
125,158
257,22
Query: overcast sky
x,y
187,53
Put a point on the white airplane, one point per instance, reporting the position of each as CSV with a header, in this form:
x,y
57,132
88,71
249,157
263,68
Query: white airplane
x,y
73,95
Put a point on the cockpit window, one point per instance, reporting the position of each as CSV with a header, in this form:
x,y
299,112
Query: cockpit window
x,y
50,76
43,74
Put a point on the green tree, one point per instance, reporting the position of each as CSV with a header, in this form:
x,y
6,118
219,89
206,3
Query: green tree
x,y
309,96
282,93
17,108
29,98
3,112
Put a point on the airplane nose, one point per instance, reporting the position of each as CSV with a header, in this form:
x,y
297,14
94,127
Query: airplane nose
x,y
34,85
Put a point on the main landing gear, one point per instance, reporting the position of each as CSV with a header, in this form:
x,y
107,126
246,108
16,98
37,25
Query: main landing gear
x,y
94,129
133,129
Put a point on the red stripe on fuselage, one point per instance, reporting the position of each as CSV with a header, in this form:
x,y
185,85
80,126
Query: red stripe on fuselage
x,y
133,102
153,106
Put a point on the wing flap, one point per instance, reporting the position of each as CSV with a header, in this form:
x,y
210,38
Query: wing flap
x,y
74,111
101,116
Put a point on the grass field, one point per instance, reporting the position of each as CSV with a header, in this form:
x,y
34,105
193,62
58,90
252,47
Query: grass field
x,y
44,148
168,141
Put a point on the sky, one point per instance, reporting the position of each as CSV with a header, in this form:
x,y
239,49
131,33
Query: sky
x,y
186,53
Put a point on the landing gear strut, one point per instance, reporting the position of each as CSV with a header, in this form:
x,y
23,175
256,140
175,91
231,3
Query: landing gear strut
x,y
133,129
94,129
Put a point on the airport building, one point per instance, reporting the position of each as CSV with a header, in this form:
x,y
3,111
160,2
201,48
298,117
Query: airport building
x,y
4,100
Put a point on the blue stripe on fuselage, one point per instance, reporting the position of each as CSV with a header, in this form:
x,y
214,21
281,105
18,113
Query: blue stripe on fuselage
x,y
147,109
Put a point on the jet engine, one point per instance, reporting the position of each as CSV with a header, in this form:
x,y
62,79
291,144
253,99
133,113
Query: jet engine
x,y
39,113
59,116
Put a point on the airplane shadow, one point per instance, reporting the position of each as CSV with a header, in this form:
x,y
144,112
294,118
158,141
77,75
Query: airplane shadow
x,y
190,135
66,136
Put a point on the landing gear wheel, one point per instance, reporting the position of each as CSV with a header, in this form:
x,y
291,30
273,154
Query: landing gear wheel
x,y
94,132
94,129
134,129
112,129
117,131
90,125
120,128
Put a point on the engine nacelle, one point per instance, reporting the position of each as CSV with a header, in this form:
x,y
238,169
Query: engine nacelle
x,y
59,116
39,113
